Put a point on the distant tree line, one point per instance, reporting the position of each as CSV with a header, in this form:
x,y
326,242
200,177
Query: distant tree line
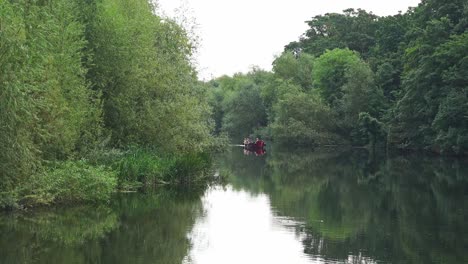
x,y
361,79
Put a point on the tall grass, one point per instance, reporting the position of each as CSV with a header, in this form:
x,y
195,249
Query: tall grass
x,y
188,169
139,167
143,167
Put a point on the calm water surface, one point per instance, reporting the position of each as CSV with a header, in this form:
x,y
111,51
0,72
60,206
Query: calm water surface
x,y
282,207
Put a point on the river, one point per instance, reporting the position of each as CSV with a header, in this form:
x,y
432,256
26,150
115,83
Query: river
x,y
323,206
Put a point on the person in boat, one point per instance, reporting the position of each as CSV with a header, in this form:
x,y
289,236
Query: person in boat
x,y
259,143
247,152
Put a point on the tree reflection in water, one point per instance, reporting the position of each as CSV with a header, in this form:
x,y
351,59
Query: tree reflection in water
x,y
343,206
134,228
356,206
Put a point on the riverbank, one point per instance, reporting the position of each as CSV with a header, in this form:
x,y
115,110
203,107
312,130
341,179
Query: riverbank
x,y
94,178
81,78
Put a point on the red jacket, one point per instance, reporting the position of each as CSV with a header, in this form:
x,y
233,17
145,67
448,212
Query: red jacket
x,y
260,143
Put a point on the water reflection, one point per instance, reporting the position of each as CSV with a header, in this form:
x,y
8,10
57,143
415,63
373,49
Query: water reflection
x,y
359,207
285,207
241,228
135,228
256,152
54,235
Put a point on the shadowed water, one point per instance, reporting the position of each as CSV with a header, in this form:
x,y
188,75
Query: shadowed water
x,y
319,206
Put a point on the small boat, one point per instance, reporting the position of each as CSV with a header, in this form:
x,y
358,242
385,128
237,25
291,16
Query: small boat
x,y
253,147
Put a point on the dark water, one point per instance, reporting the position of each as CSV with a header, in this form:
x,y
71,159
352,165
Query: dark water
x,y
283,207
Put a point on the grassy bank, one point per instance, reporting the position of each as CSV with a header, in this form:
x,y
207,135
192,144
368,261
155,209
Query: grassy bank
x,y
102,173
143,168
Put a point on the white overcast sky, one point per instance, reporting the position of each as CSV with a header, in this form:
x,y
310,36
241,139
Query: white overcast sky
x,y
238,34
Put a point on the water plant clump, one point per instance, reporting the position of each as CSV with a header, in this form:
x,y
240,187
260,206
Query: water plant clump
x,y
143,167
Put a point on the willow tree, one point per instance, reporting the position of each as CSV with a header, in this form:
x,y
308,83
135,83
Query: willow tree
x,y
18,156
142,66
45,104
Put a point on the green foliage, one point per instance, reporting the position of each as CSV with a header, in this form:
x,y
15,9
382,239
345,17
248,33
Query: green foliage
x,y
432,111
68,182
330,72
142,66
360,94
144,167
55,76
355,29
418,90
387,77
370,129
274,91
305,101
139,167
219,143
296,68
215,99
189,169
451,123
81,76
244,111
303,119
18,157
46,107
241,104
347,84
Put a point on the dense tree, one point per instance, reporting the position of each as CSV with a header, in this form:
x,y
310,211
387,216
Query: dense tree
x,y
426,115
432,112
413,63
244,111
330,73
18,155
296,68
347,85
303,119
46,106
142,66
79,76
355,29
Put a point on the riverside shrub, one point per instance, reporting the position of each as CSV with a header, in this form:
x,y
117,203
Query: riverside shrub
x,y
70,181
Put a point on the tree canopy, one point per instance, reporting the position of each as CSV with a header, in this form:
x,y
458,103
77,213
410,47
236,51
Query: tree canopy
x,y
396,80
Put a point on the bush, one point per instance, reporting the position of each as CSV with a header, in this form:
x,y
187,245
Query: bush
x,y
105,156
69,181
218,144
8,199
